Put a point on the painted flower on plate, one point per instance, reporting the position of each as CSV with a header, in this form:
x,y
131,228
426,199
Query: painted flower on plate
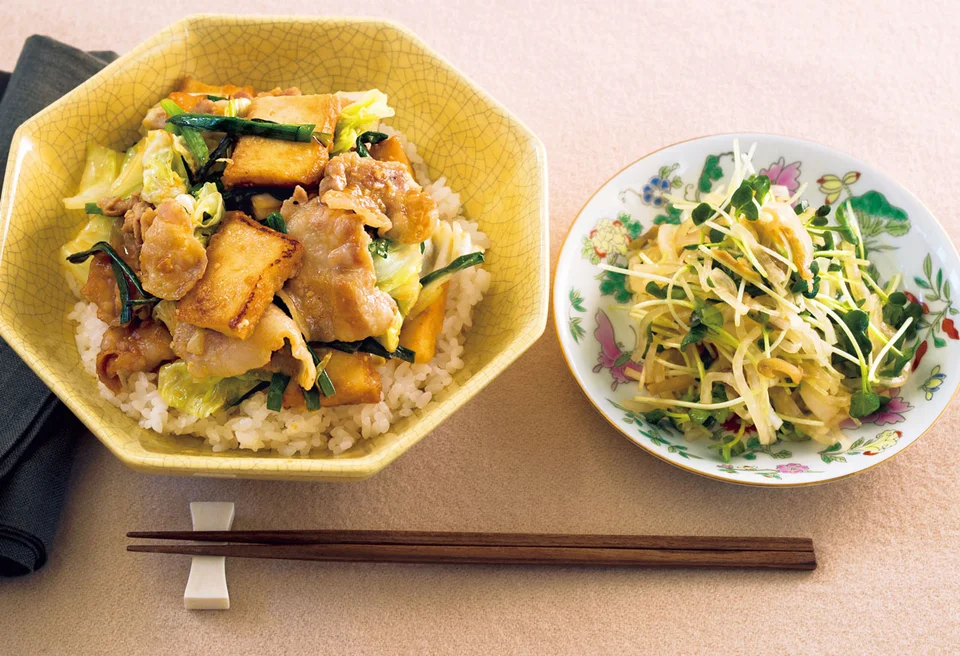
x,y
609,237
612,355
654,189
882,442
831,186
786,175
792,468
932,384
891,413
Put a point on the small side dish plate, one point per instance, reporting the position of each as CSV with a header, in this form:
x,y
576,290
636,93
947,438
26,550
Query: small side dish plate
x,y
597,337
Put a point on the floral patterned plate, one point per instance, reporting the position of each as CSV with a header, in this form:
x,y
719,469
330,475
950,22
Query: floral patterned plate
x,y
597,338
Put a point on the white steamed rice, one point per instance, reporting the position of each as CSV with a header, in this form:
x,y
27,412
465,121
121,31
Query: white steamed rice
x,y
406,387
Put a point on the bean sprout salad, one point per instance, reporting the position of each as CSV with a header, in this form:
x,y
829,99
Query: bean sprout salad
x,y
760,313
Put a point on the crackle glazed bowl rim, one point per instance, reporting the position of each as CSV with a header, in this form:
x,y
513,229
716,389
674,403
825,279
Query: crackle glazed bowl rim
x,y
404,61
589,214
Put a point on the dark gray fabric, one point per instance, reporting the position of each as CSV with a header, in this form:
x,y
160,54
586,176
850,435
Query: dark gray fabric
x,y
4,81
37,432
45,71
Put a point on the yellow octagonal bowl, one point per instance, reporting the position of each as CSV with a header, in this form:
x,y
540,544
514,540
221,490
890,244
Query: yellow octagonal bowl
x,y
496,164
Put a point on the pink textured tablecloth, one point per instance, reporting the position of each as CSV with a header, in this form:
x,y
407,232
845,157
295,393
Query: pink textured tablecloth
x,y
601,86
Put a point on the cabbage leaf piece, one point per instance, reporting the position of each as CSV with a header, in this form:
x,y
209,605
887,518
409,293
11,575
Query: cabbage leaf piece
x,y
101,169
201,397
358,117
164,173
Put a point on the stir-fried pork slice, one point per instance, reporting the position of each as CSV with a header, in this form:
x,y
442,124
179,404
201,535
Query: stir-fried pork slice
x,y
126,350
383,193
248,264
284,362
101,285
101,289
207,106
127,237
172,259
131,233
117,206
271,162
209,353
290,206
335,293
155,119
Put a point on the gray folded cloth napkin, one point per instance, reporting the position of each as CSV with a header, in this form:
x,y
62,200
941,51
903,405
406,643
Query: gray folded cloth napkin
x,y
37,432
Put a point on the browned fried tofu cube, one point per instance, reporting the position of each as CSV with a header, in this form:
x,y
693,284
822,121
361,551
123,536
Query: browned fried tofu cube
x,y
190,85
419,334
391,150
354,376
247,263
257,161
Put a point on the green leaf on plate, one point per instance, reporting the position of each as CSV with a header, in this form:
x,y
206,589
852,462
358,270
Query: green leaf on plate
x,y
710,174
898,228
576,300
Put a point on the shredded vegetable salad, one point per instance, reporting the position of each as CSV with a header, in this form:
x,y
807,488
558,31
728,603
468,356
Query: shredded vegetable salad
x,y
759,313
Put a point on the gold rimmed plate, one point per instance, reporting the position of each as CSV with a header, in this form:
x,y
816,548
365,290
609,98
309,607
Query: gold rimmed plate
x,y
597,337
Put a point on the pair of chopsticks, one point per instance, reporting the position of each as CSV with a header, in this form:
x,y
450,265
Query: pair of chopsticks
x,y
490,548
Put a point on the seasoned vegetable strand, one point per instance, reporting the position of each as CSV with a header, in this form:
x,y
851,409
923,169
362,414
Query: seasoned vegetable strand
x,y
259,387
278,384
218,153
373,347
126,310
124,275
249,127
311,398
323,378
459,264
325,384
275,222
193,139
369,137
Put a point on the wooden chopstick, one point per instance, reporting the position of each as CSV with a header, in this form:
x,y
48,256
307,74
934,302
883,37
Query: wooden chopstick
x,y
683,542
492,548
495,555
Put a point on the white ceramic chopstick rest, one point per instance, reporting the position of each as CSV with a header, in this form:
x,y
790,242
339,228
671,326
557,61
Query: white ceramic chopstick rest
x,y
207,585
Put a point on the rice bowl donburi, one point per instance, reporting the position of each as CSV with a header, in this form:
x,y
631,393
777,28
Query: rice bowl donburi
x,y
271,270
